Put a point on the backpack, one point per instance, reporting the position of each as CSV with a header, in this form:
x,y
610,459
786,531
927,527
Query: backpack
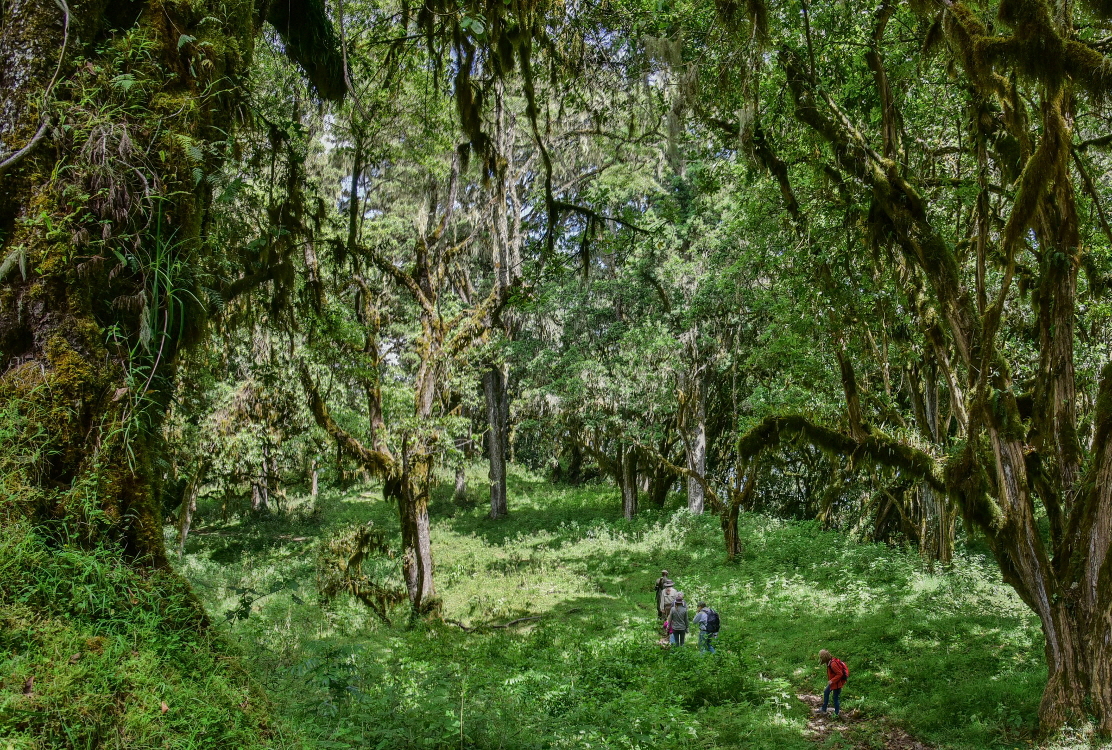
x,y
841,666
712,621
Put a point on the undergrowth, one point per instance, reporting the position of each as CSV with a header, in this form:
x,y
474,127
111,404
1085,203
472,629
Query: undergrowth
x,y
94,654
953,657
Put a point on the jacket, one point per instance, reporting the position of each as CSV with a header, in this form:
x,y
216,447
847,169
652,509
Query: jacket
x,y
701,618
837,672
667,599
677,616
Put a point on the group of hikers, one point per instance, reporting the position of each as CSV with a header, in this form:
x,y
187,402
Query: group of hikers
x,y
672,611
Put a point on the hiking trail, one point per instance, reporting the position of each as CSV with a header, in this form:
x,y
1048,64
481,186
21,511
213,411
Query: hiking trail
x,y
855,727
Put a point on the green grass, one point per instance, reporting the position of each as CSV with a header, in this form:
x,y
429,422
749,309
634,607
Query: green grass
x,y
90,651
954,658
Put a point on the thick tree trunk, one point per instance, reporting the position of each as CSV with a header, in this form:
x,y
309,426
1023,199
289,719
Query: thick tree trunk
x,y
411,493
459,495
575,463
85,339
497,403
660,485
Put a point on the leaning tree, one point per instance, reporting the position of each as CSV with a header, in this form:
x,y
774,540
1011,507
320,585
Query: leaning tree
x,y
968,198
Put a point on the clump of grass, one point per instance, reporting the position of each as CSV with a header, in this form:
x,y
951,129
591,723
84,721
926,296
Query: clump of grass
x,y
94,653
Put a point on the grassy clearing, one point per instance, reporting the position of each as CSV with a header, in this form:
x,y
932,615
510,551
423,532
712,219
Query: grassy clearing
x,y
953,658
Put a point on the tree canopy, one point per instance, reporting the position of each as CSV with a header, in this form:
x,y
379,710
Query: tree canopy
x,y
844,261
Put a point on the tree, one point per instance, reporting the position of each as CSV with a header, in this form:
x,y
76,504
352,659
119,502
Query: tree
x,y
115,117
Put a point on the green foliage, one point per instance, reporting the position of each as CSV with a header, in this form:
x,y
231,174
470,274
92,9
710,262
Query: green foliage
x,y
952,657
91,650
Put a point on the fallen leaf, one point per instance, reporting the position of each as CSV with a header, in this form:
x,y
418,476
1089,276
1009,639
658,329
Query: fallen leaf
x,y
243,706
165,708
29,686
75,658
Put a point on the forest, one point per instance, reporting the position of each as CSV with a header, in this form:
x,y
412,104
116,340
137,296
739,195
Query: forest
x,y
366,367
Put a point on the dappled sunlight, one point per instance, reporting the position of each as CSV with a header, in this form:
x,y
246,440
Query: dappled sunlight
x,y
555,618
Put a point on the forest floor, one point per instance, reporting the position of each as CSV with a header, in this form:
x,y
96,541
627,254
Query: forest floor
x,y
938,659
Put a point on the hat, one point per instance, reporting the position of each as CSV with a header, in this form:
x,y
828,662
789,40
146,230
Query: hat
x,y
668,582
679,597
664,573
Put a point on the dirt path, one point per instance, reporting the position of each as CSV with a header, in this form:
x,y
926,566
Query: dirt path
x,y
856,728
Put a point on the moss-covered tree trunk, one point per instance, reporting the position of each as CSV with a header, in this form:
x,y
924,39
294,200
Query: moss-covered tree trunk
x,y
1010,461
101,213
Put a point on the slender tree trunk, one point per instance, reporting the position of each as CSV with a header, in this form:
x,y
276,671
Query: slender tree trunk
x,y
315,479
463,445
696,445
730,532
740,495
189,507
411,493
628,481
497,401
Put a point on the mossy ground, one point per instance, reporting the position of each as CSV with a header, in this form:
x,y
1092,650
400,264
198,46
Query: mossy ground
x,y
951,657
92,650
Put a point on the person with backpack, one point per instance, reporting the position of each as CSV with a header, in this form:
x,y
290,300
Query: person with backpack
x,y
677,619
836,675
709,623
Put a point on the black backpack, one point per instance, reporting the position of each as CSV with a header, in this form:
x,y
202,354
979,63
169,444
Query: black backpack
x,y
712,621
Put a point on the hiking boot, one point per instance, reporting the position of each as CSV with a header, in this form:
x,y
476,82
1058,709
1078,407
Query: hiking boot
x,y
820,712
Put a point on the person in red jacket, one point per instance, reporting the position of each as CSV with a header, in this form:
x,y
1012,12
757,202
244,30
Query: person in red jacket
x,y
836,674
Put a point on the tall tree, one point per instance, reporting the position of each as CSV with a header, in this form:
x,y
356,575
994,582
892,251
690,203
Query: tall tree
x,y
114,116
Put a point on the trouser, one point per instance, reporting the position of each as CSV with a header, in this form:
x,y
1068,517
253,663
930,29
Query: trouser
x,y
677,637
837,693
706,641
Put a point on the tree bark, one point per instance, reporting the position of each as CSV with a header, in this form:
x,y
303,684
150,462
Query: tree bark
x,y
463,445
87,340
696,444
575,462
628,481
497,403
189,506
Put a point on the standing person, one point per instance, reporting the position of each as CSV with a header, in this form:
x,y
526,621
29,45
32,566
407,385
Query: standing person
x,y
836,675
677,618
667,598
661,584
708,623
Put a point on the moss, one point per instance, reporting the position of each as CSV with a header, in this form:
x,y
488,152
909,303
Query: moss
x,y
106,646
1090,69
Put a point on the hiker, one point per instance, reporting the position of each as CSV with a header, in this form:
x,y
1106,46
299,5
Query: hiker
x,y
667,598
707,621
661,584
836,675
677,618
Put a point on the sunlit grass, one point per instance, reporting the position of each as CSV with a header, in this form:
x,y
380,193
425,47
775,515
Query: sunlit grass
x,y
952,656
